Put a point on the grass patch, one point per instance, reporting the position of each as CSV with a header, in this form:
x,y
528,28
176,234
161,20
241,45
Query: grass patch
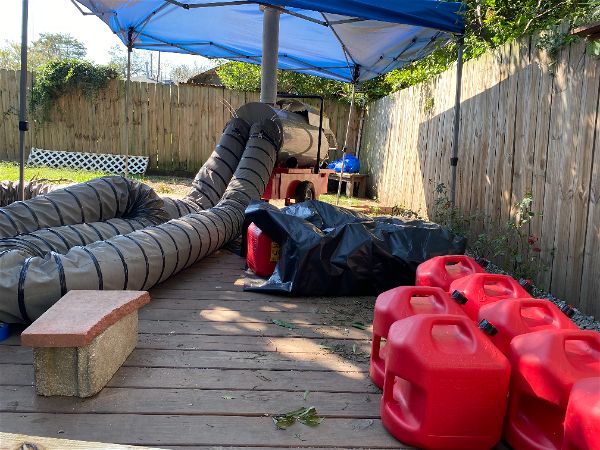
x,y
344,201
175,186
10,171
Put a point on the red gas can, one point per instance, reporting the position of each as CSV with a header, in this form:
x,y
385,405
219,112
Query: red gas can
x,y
445,385
582,420
474,291
263,253
441,271
399,303
505,319
545,365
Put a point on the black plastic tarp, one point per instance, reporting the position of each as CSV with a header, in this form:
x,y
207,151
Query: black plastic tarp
x,y
331,251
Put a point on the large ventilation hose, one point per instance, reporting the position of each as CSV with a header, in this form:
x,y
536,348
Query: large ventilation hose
x,y
214,176
35,276
94,201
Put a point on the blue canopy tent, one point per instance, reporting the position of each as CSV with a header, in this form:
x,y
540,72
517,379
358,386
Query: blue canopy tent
x,y
347,40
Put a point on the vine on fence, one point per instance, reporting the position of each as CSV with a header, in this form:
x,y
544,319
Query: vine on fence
x,y
58,77
508,244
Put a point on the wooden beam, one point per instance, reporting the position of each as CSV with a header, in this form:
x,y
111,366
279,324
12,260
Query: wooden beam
x,y
590,31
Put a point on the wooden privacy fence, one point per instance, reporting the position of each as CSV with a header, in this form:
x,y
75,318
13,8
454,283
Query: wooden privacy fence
x,y
529,124
176,126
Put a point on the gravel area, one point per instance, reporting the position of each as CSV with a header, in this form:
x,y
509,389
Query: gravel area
x,y
583,321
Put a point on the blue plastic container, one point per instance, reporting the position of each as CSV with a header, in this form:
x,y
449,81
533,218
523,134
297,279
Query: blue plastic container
x,y
4,331
351,164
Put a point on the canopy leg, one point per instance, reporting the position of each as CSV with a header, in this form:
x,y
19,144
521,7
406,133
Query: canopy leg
x,y
454,159
127,105
23,124
345,148
270,50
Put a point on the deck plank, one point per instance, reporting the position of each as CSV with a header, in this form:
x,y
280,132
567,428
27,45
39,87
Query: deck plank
x,y
217,359
165,430
193,402
13,376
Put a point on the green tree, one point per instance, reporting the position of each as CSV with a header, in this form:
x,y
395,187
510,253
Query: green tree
x,y
48,47
246,77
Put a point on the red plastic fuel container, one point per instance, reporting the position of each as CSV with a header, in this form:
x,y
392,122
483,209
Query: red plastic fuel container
x,y
441,271
445,385
474,291
546,364
263,253
582,420
505,319
399,303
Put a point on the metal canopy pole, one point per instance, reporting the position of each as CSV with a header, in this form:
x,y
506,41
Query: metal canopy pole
x,y
270,51
454,159
127,100
23,124
345,148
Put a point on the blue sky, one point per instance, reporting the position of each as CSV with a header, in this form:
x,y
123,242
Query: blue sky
x,y
61,16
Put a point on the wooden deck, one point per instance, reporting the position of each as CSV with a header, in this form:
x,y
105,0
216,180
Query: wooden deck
x,y
210,369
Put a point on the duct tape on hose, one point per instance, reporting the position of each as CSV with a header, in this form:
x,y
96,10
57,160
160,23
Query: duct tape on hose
x,y
143,258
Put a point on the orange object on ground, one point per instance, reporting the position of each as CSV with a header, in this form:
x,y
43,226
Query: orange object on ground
x,y
505,319
445,385
546,364
397,304
441,271
474,291
263,253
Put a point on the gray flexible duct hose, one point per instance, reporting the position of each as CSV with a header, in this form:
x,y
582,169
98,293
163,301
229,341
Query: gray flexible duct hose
x,y
30,283
212,179
214,176
140,211
94,201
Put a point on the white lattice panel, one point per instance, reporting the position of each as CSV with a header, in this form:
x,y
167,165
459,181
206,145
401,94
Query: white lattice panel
x,y
88,161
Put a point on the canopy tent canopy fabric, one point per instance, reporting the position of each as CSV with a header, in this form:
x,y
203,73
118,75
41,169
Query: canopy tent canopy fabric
x,y
345,40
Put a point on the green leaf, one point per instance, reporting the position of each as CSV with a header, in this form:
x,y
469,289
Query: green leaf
x,y
228,397
306,394
284,324
307,416
594,48
359,325
283,422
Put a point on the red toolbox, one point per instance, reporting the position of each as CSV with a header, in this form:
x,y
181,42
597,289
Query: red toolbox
x,y
582,419
445,385
399,303
441,271
546,364
263,253
505,319
474,291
